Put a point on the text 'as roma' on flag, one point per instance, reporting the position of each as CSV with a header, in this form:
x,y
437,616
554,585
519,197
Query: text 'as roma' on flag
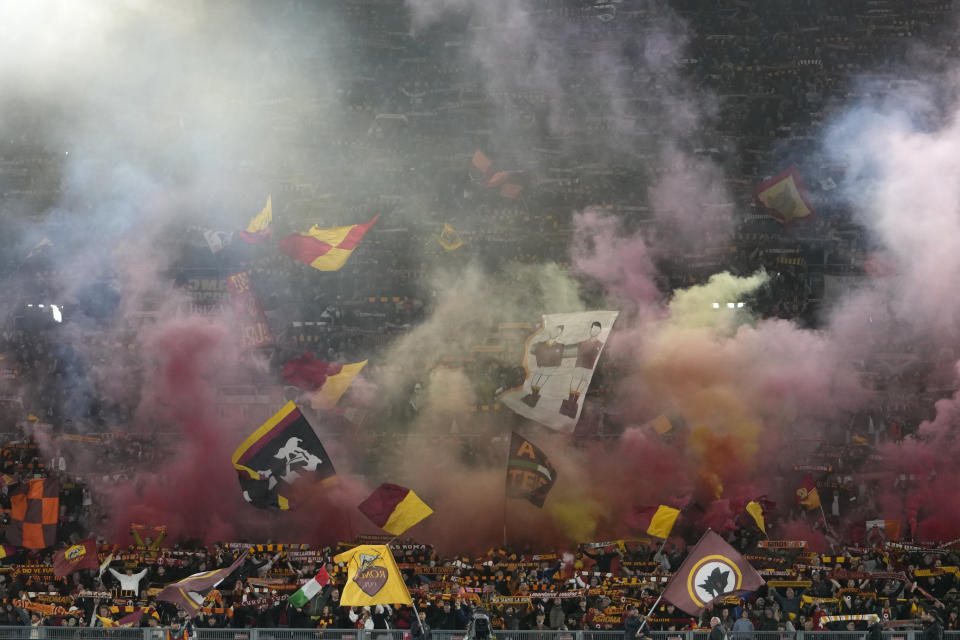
x,y
324,249
310,589
82,555
529,472
189,593
372,577
260,227
712,570
34,513
656,521
807,495
394,508
280,459
784,196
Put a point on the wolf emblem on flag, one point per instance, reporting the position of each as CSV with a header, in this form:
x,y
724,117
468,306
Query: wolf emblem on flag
x,y
282,454
559,360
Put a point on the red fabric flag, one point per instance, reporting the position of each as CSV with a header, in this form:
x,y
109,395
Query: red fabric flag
x,y
712,570
308,373
75,557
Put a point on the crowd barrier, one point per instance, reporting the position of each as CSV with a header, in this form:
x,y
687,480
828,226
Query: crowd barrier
x,y
99,633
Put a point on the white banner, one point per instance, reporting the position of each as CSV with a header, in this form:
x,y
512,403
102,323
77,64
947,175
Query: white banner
x,y
559,359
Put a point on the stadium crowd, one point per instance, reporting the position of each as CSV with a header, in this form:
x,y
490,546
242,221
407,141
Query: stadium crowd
x,y
778,68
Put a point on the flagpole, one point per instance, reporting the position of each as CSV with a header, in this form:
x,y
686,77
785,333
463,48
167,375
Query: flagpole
x,y
506,479
649,613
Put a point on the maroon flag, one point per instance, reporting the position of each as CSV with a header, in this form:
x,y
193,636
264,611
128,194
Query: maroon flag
x,y
308,373
254,330
188,593
712,570
75,557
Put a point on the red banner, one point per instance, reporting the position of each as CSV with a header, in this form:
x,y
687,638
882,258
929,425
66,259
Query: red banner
x,y
254,330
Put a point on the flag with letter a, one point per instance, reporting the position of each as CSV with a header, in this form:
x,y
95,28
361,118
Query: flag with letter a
x,y
712,570
529,473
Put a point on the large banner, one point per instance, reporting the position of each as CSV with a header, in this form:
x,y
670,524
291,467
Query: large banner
x,y
254,330
559,360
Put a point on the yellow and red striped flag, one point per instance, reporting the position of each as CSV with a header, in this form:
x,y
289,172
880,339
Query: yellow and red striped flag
x,y
784,196
325,249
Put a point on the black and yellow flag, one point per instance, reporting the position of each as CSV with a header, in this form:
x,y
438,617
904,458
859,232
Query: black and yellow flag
x,y
529,473
281,456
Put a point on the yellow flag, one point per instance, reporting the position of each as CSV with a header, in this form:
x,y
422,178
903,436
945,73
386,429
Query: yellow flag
x,y
327,396
372,577
755,510
661,524
263,219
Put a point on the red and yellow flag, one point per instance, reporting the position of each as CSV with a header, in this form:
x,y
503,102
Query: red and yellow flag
x,y
260,227
394,508
325,249
784,197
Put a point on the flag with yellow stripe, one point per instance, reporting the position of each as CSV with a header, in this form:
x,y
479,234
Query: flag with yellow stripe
x,y
394,508
325,249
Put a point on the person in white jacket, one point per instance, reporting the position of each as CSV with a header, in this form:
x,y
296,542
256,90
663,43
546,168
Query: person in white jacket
x,y
129,581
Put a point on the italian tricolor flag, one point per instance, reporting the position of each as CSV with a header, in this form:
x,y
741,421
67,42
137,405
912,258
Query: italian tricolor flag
x,y
310,590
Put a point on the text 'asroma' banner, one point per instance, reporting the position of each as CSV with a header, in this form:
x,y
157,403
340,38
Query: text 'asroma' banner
x,y
254,330
559,360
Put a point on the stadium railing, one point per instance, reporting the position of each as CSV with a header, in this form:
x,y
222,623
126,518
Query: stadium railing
x,y
158,633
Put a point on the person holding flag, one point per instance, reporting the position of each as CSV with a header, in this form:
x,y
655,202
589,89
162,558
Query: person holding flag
x,y
712,570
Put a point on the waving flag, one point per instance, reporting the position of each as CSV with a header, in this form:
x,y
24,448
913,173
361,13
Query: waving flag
x,y
529,473
372,577
188,594
656,521
34,513
325,249
449,238
394,508
311,589
326,380
756,512
807,495
75,557
282,456
559,360
260,227
506,184
784,197
712,570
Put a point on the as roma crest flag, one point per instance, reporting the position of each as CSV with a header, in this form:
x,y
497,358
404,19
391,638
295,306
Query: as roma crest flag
x,y
529,473
75,557
712,570
282,456
372,577
807,495
34,512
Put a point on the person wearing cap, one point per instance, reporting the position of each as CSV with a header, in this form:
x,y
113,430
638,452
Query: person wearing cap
x,y
934,628
631,624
